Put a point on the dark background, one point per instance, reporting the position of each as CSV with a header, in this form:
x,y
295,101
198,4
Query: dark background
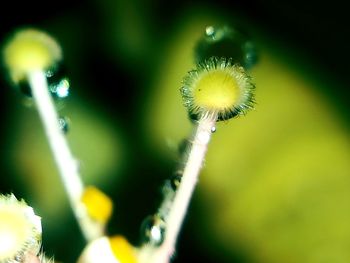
x,y
319,28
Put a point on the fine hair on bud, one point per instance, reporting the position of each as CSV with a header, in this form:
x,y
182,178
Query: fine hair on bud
x,y
20,230
218,86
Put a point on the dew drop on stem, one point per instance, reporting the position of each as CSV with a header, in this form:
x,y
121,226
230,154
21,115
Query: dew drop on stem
x,y
228,42
64,124
153,230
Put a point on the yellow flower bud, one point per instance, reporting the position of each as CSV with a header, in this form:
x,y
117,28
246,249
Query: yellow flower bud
x,y
219,87
98,205
20,230
30,50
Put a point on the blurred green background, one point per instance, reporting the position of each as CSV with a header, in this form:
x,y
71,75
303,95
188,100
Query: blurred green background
x,y
275,187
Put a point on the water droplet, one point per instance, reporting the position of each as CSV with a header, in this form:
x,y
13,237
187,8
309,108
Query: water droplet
x,y
58,82
226,42
175,181
19,257
50,72
251,54
60,89
213,129
153,230
64,124
209,31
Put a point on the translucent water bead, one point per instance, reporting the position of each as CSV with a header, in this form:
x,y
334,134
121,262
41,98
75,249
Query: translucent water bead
x,y
152,230
58,83
226,42
64,124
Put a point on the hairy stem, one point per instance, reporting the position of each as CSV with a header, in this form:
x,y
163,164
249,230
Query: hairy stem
x,y
66,163
180,203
